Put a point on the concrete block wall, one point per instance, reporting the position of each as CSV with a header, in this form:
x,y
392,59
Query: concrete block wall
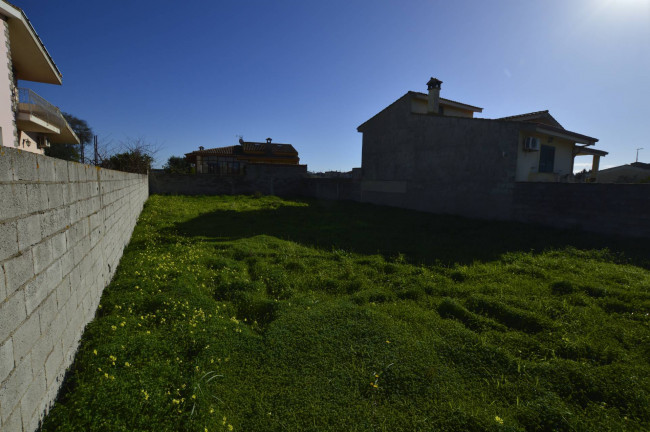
x,y
619,209
63,227
271,179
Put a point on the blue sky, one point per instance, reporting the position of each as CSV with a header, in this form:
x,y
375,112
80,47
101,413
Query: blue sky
x,y
191,73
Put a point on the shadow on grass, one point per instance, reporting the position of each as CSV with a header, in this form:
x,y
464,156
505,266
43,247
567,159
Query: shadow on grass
x,y
416,236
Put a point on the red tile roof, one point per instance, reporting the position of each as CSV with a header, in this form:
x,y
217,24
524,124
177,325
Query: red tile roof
x,y
249,148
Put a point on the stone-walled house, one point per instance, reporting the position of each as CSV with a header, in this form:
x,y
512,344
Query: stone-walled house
x,y
27,121
430,153
232,160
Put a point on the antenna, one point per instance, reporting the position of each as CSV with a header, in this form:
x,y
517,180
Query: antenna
x,y
637,153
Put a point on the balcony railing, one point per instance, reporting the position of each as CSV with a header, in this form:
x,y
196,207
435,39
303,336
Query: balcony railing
x,y
31,103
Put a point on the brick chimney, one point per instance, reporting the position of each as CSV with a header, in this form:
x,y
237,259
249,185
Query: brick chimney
x,y
434,95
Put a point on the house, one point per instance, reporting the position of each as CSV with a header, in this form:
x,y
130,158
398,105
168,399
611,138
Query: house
x,y
430,153
232,160
27,121
636,172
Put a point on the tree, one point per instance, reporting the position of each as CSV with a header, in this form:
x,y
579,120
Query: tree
x,y
177,165
71,151
136,156
129,161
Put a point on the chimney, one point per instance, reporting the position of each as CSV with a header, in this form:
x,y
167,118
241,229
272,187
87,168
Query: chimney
x,y
201,148
268,140
434,96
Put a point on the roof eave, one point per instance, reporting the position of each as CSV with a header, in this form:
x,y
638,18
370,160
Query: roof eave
x,y
563,134
30,58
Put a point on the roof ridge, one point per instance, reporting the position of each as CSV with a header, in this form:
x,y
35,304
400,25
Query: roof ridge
x,y
523,115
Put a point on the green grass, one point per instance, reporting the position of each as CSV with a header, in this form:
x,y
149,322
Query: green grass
x,y
263,314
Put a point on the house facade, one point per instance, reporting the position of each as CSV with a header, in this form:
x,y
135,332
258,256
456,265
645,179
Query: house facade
x,y
27,121
232,160
429,153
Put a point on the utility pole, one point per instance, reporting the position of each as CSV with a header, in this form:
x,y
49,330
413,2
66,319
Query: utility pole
x,y
637,153
96,158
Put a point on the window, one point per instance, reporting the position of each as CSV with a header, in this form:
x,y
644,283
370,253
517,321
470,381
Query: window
x,y
546,159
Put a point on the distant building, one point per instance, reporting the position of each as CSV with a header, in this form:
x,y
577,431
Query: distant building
x,y
636,172
542,148
429,153
232,160
27,121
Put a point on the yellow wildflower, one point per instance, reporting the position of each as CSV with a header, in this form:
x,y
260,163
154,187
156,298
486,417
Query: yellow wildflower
x,y
498,419
95,352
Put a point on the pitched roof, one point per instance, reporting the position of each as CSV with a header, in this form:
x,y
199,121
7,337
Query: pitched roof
x,y
419,94
449,101
543,117
249,148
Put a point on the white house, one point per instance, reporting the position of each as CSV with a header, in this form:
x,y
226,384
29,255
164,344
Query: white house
x,y
27,121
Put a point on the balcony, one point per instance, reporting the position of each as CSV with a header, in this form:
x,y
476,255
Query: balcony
x,y
35,114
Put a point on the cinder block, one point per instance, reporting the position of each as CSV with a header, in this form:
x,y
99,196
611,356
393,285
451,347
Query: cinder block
x,y
6,359
36,291
3,285
31,401
25,166
47,312
6,166
36,197
60,171
18,270
58,326
15,386
42,255
14,422
45,168
41,350
29,231
72,192
59,245
73,173
25,337
55,195
14,200
12,313
8,240
53,221
67,262
53,364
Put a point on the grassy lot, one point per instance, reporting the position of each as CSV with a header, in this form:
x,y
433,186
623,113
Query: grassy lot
x,y
262,314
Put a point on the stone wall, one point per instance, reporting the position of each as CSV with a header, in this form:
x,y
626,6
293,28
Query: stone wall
x,y
622,209
63,227
270,179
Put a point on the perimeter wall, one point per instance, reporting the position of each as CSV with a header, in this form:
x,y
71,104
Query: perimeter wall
x,y
63,227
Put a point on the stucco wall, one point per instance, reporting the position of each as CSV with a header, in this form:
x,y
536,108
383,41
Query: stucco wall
x,y
63,227
439,164
420,106
7,118
528,161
